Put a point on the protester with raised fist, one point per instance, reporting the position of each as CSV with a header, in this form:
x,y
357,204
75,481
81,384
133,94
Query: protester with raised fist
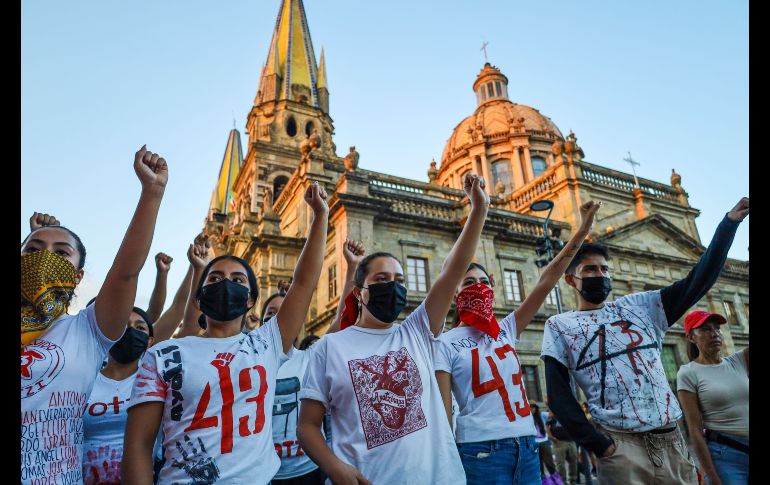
x,y
495,432
213,394
60,353
613,351
376,377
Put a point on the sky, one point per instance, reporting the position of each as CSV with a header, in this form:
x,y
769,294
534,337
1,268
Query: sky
x,y
667,81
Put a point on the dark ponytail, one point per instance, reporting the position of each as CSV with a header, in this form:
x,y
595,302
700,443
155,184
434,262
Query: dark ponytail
x,y
692,351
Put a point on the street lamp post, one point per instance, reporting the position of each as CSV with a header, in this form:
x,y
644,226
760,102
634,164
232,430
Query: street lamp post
x,y
540,206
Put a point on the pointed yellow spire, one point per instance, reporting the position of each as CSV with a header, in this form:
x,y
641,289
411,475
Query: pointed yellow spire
x,y
222,198
291,58
322,72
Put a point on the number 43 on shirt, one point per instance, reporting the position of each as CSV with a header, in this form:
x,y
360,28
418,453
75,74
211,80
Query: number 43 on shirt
x,y
497,383
201,421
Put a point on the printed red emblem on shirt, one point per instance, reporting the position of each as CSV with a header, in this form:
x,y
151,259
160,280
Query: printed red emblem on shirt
x,y
41,362
389,393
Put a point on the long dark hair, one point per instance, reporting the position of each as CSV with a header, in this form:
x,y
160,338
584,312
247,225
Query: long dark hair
x,y
538,418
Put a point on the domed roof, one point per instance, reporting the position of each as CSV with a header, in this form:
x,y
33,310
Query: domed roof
x,y
498,118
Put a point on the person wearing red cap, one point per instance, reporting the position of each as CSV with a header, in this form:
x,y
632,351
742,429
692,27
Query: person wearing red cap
x,y
714,393
613,351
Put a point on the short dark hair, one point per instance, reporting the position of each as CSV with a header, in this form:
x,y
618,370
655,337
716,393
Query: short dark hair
x,y
307,341
477,266
78,243
269,299
585,250
146,319
253,288
363,267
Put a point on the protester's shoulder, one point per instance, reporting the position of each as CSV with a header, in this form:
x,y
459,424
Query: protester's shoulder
x,y
445,337
737,358
562,320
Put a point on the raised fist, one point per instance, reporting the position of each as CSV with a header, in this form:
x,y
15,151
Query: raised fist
x,y
163,262
587,213
475,188
353,251
740,211
39,219
315,196
151,170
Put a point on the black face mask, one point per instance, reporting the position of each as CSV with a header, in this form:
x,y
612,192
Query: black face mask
x,y
386,300
224,300
596,289
130,347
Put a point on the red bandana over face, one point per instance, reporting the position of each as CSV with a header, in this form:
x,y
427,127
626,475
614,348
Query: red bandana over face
x,y
474,307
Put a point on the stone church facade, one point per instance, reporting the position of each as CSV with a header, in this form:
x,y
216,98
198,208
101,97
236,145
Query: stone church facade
x,y
257,211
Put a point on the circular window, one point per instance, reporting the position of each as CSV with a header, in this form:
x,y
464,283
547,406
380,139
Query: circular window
x,y
291,126
309,128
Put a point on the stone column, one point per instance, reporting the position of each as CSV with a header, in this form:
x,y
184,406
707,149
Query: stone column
x,y
518,175
486,170
528,165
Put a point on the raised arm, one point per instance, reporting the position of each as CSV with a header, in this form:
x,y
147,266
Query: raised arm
x,y
168,322
116,297
158,296
353,253
692,414
555,268
293,311
141,430
199,255
683,294
456,264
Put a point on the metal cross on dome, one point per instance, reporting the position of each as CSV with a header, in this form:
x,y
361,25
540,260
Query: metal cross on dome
x,y
484,48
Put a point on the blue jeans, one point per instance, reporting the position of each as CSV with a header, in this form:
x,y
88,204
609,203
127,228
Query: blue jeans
x,y
501,462
732,465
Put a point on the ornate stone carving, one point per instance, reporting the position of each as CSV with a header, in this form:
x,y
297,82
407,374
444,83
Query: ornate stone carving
x,y
310,143
351,160
557,148
432,172
499,188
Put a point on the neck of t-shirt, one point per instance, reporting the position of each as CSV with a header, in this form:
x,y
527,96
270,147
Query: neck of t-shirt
x,y
704,359
587,306
223,329
117,371
374,325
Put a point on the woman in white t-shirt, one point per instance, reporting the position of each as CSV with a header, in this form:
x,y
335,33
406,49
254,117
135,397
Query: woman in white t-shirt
x,y
495,431
213,393
104,420
377,379
61,354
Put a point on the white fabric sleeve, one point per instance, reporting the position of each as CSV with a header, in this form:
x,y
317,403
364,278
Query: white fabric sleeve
x,y
149,385
418,324
443,359
686,380
509,325
273,333
652,303
316,385
553,343
96,331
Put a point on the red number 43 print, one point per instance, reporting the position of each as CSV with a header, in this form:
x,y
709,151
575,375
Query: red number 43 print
x,y
497,383
200,421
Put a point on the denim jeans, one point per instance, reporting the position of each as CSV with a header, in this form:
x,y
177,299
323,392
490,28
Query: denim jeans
x,y
498,462
732,465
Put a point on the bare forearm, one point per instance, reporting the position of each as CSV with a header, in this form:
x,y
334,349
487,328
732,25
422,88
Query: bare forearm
x,y
314,445
158,296
704,455
440,295
169,321
117,295
136,468
191,312
346,288
310,261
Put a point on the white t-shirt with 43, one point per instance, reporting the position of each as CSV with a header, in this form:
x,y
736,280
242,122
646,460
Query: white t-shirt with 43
x,y
387,414
217,396
58,370
614,355
487,382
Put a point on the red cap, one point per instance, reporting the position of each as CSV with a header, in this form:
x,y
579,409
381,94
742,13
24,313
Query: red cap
x,y
698,317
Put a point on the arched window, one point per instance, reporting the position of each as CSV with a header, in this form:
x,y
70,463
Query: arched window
x,y
291,126
538,166
501,172
278,185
